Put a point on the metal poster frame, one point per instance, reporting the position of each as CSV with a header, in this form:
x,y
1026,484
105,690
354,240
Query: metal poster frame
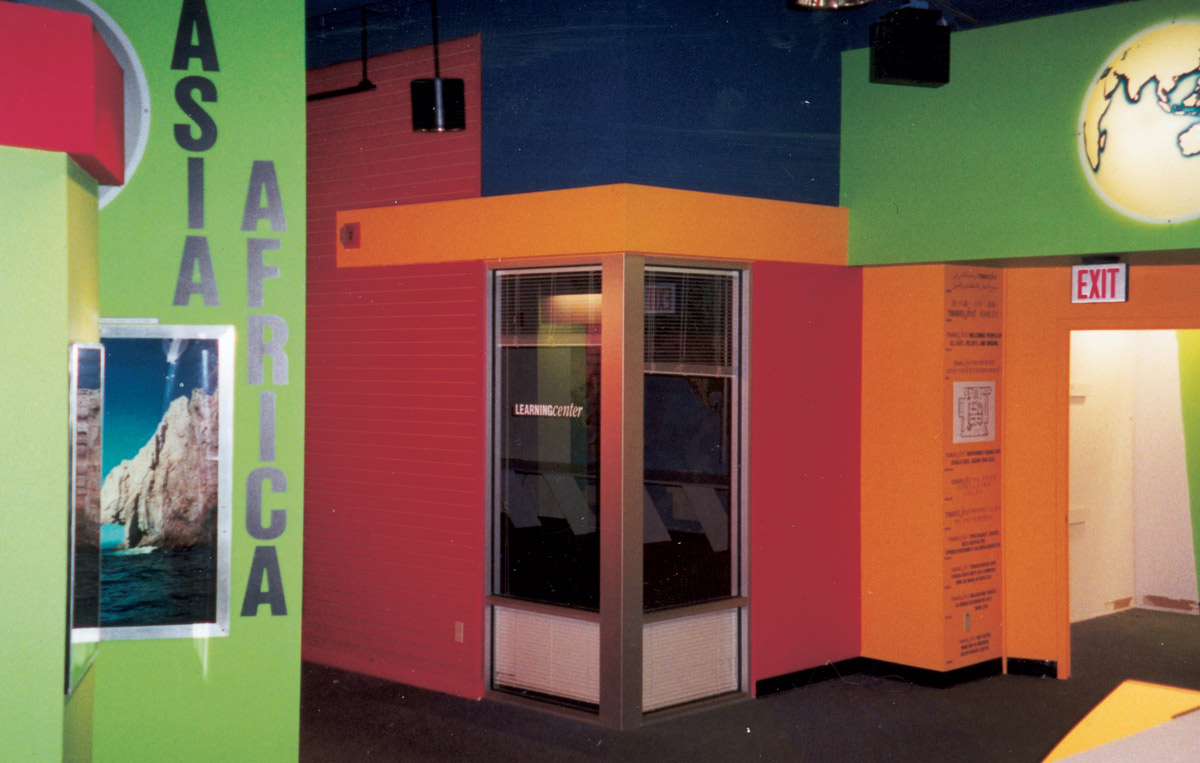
x,y
148,335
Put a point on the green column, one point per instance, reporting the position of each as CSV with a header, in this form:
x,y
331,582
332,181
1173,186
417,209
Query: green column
x,y
47,300
1189,390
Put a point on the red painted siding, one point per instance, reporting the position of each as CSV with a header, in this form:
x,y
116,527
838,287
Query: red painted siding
x,y
362,151
806,362
396,390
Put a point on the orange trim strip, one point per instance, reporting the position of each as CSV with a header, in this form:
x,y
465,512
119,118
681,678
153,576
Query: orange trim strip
x,y
596,220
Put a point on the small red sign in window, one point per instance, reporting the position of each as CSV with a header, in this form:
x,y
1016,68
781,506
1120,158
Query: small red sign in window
x,y
350,236
660,299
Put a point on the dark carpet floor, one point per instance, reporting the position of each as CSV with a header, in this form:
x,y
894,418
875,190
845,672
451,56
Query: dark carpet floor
x,y
863,717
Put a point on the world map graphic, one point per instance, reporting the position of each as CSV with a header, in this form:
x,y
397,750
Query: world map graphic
x,y
1139,128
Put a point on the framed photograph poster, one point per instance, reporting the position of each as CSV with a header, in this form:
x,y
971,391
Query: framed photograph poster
x,y
165,503
85,406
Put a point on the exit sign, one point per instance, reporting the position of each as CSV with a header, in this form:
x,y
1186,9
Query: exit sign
x,y
1100,283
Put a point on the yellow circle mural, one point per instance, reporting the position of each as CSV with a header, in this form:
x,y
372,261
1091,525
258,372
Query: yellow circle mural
x,y
1139,129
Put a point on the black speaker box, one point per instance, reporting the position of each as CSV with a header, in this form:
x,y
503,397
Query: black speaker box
x,y
909,47
438,105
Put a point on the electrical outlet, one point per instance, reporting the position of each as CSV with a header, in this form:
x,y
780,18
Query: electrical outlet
x,y
458,631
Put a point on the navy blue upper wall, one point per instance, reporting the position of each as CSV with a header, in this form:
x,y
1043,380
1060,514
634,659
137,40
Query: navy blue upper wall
x,y
729,96
735,97
556,106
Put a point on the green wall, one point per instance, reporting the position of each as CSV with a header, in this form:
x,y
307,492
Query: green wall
x,y
987,166
47,300
1189,387
234,697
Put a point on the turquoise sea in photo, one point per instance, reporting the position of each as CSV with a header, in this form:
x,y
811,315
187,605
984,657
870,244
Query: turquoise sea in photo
x,y
150,586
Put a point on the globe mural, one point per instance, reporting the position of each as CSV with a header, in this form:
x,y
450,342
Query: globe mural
x,y
1139,128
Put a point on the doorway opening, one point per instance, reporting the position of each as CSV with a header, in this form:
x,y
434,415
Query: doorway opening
x,y
1134,407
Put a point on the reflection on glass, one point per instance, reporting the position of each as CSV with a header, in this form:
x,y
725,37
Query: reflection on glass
x,y
547,429
87,398
687,481
689,551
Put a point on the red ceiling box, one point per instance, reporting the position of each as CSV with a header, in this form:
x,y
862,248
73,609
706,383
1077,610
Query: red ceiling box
x,y
61,89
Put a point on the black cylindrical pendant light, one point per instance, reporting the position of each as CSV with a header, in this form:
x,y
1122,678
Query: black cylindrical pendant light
x,y
438,105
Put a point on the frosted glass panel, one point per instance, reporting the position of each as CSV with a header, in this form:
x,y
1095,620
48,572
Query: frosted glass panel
x,y
558,656
689,659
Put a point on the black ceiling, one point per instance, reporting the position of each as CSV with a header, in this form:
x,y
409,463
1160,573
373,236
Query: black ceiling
x,y
963,14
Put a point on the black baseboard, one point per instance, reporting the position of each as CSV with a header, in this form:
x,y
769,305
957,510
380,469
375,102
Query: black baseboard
x,y
937,679
1018,666
802,678
552,699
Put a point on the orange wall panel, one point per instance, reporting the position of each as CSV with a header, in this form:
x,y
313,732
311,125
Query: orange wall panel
x,y
1034,513
972,457
902,437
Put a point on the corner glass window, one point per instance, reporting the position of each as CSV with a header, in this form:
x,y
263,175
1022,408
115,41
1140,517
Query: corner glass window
x,y
691,437
547,427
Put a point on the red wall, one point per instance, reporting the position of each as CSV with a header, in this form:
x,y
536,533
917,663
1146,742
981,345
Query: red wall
x,y
362,151
395,433
806,366
396,420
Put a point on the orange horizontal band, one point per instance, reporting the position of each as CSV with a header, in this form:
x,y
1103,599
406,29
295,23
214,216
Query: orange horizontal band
x,y
598,219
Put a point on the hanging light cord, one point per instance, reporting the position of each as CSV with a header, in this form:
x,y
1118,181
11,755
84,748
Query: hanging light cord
x,y
437,68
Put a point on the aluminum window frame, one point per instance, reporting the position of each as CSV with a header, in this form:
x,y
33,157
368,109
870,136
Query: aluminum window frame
x,y
621,616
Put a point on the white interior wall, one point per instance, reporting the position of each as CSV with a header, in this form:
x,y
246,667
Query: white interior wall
x,y
1130,531
1164,556
1101,472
